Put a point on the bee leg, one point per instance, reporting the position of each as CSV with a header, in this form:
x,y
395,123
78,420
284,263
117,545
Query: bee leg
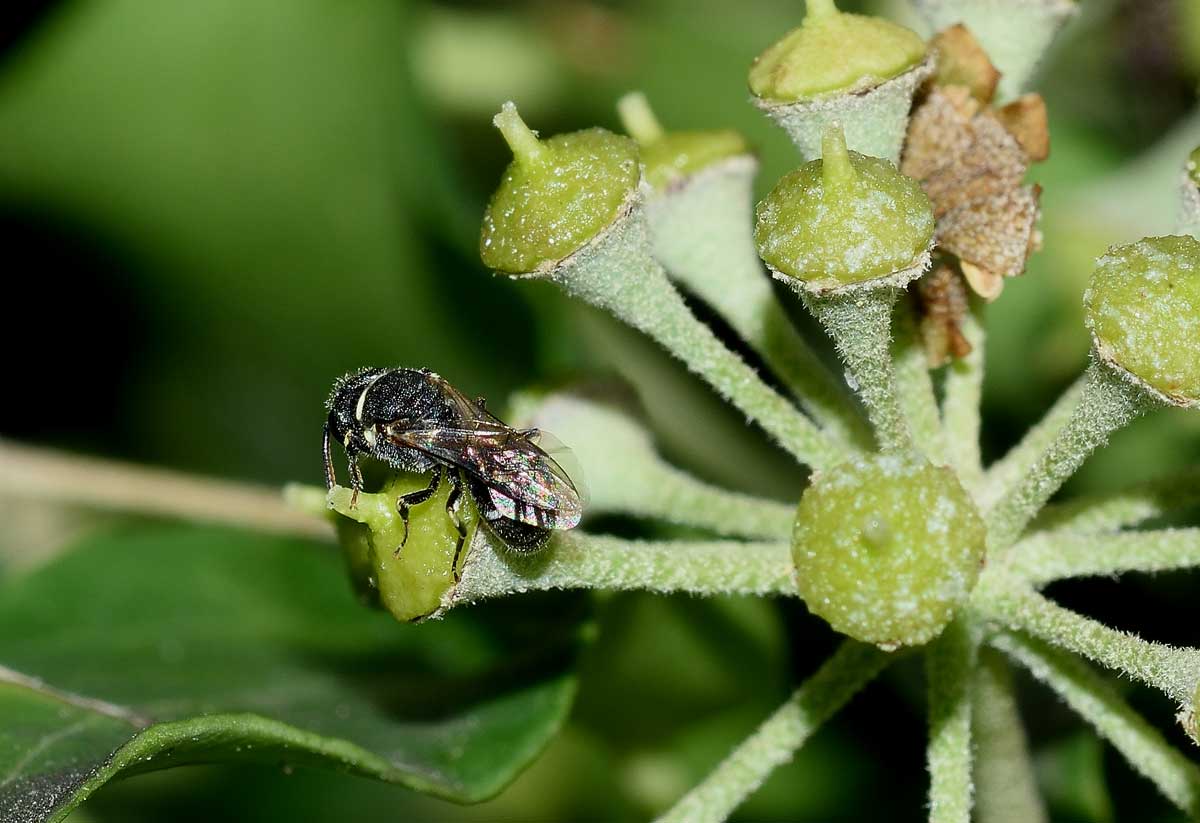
x,y
356,481
330,474
452,511
406,501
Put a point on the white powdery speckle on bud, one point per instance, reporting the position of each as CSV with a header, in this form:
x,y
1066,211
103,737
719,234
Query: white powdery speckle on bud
x,y
1143,309
887,549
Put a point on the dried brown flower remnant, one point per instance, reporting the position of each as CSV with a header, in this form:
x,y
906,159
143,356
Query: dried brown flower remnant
x,y
961,61
943,300
1025,119
971,161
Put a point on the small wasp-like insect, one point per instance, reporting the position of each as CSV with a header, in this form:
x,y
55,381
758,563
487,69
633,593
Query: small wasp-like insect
x,y
414,421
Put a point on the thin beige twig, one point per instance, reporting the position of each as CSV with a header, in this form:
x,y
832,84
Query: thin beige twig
x,y
35,473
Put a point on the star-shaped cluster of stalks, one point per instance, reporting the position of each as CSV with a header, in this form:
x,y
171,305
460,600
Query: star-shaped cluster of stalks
x,y
904,541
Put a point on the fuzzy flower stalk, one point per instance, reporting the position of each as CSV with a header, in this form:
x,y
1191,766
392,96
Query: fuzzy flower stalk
x,y
902,540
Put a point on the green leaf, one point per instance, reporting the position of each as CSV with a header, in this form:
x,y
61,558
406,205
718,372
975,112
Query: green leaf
x,y
161,647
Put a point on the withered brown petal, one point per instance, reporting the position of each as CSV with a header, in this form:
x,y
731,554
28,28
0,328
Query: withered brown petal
x,y
1025,119
938,132
994,233
961,61
987,284
943,301
992,164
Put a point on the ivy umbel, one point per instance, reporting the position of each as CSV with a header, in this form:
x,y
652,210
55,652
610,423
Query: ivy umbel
x,y
902,541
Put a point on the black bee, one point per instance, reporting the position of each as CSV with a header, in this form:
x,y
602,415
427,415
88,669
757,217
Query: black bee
x,y
413,420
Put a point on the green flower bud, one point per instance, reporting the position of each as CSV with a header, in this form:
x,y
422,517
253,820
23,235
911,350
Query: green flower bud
x,y
832,53
355,540
843,220
887,549
670,157
412,582
1143,310
556,195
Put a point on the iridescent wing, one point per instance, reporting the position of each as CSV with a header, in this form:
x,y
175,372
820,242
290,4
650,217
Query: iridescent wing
x,y
523,481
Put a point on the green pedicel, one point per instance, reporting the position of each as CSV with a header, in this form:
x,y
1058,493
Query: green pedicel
x,y
844,219
668,157
832,53
1143,309
410,584
887,549
556,195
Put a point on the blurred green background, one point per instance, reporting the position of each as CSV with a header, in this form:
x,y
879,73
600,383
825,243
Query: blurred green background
x,y
211,209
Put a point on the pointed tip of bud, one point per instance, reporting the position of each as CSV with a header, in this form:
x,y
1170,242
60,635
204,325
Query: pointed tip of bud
x,y
522,140
837,172
816,9
638,118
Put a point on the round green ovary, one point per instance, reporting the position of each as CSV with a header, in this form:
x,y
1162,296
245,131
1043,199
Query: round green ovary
x,y
887,549
835,53
1143,309
862,228
679,154
411,584
546,210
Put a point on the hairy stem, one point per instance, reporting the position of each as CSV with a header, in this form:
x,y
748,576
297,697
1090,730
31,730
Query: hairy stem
x,y
618,274
625,475
1005,785
1173,671
43,474
576,560
1047,557
962,403
1107,403
1121,509
1008,470
914,386
860,323
1093,699
777,739
948,665
702,233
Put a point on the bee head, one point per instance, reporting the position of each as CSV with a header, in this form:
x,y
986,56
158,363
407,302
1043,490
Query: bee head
x,y
344,404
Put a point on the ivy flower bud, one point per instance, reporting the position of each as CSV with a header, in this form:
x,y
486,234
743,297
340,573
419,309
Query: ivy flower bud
x,y
556,195
848,232
1143,310
846,220
699,203
570,210
670,158
887,549
409,581
856,70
